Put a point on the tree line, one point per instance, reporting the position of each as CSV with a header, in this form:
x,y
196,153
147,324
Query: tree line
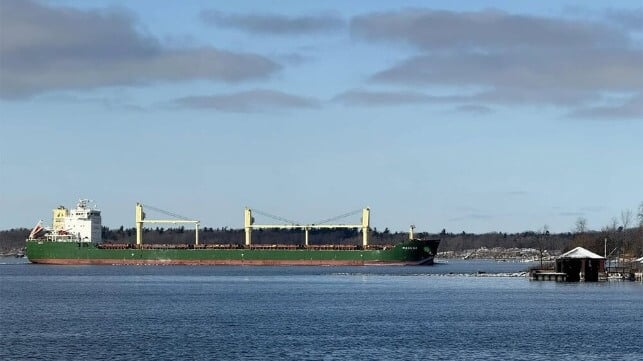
x,y
622,241
622,236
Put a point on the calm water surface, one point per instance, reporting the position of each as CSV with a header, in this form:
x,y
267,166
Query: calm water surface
x,y
312,313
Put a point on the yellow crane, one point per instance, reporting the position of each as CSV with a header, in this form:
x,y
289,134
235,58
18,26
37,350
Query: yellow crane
x,y
140,219
249,225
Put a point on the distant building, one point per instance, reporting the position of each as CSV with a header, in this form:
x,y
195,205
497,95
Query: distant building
x,y
580,265
638,272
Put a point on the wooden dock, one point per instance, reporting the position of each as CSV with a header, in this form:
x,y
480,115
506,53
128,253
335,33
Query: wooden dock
x,y
547,275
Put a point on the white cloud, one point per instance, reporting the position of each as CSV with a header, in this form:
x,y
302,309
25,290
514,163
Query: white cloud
x,y
247,101
46,48
275,24
516,59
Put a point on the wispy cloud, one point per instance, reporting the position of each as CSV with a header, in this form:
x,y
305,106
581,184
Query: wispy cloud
x,y
44,48
474,109
630,108
380,98
489,29
630,19
515,59
388,98
248,101
120,102
275,24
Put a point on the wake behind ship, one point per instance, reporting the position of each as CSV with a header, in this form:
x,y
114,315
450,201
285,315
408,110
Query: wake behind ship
x,y
75,238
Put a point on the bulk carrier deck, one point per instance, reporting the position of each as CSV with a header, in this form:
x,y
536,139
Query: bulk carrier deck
x,y
75,238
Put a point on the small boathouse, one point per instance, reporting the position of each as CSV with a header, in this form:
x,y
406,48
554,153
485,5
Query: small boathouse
x,y
580,264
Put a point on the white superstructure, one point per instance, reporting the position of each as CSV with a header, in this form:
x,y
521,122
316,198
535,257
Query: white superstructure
x,y
82,224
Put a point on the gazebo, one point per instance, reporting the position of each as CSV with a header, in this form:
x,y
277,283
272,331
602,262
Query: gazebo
x,y
580,265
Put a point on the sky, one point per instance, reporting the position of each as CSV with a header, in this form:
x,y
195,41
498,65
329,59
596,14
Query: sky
x,y
495,116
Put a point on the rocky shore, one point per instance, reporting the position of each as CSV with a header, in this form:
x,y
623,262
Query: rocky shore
x,y
14,252
497,253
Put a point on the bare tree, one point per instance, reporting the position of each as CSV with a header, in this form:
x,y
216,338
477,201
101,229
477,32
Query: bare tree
x,y
640,215
626,218
581,225
613,226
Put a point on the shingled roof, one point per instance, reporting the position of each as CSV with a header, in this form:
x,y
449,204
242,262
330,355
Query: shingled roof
x,y
580,252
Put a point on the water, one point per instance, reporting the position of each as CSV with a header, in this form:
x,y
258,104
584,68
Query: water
x,y
312,313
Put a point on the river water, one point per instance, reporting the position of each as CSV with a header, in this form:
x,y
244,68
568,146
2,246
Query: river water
x,y
460,310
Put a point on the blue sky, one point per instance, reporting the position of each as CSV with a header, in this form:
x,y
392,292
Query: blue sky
x,y
506,116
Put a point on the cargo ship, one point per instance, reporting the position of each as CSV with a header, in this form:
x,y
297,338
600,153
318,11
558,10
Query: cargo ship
x,y
75,239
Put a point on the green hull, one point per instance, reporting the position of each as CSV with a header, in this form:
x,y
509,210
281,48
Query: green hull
x,y
415,252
